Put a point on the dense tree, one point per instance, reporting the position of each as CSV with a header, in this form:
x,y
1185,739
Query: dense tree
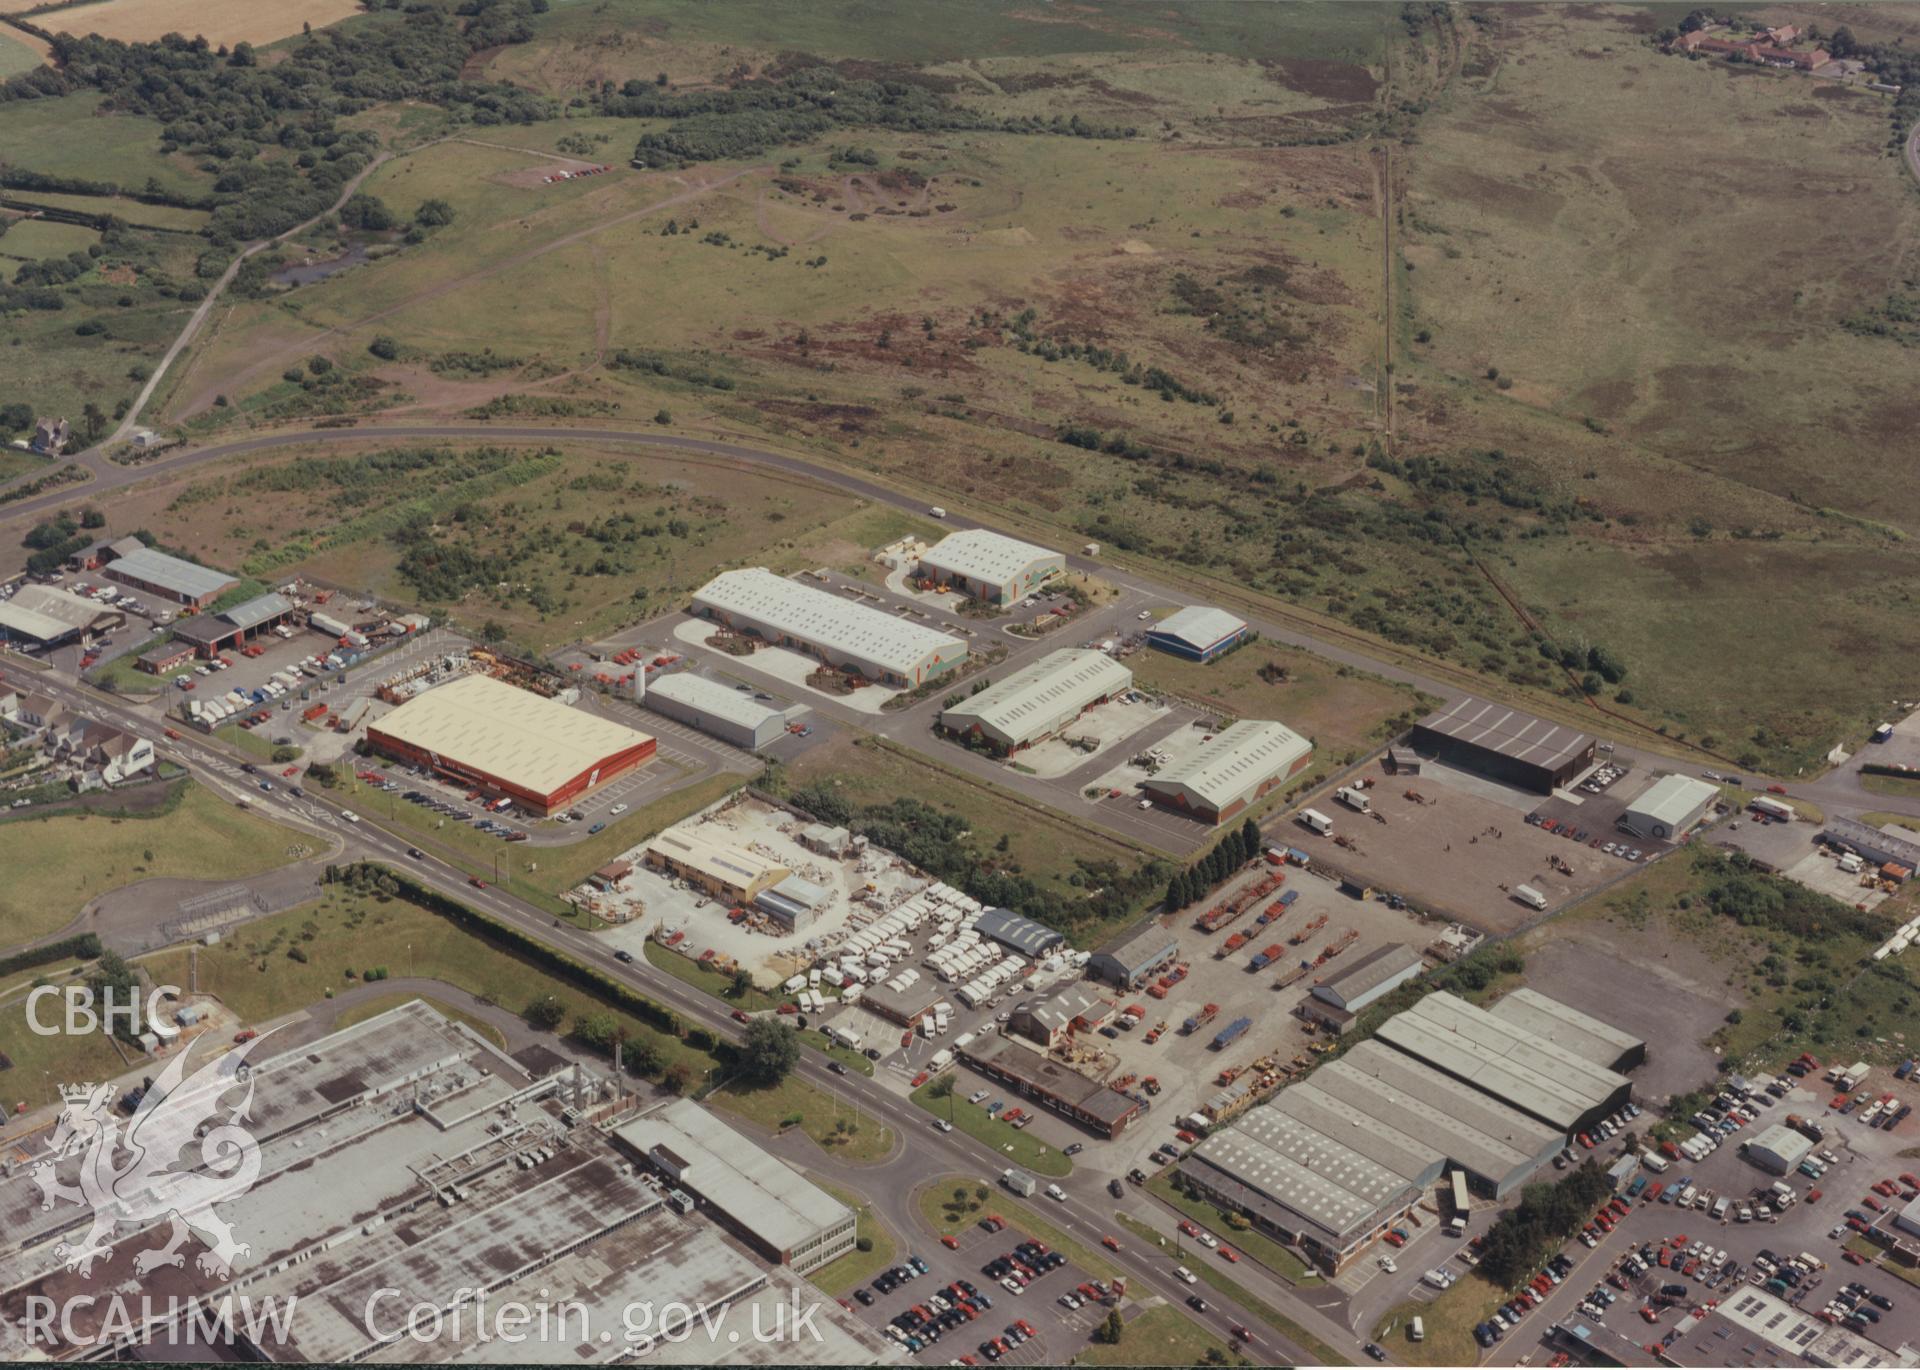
x,y
770,1052
544,1013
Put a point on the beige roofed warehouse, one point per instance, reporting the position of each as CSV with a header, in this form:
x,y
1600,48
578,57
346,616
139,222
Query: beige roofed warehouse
x,y
538,750
990,566
1039,701
844,634
1241,764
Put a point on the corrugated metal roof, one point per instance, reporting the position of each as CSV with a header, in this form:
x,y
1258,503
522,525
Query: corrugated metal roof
x,y
1502,1058
1507,731
827,621
980,554
1853,833
43,612
1235,762
506,732
1357,978
1011,929
1199,626
171,573
1033,698
1674,800
1142,949
1566,1027
258,610
711,697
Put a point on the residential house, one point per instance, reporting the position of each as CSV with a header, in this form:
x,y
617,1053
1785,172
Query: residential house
x,y
9,703
50,436
39,711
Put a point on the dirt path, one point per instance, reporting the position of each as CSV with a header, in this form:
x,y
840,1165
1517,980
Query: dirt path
x,y
529,152
276,359
199,316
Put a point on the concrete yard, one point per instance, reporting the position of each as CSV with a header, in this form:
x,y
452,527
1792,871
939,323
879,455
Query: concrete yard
x,y
1461,848
790,668
1097,732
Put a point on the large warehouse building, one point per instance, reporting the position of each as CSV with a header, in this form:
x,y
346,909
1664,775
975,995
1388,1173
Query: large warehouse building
x,y
1505,744
1242,763
42,616
536,751
211,634
1778,1149
1571,1030
1670,807
1333,1161
1340,998
1137,957
1881,848
845,635
728,872
1198,632
718,710
183,582
1038,701
990,566
771,1205
1502,1058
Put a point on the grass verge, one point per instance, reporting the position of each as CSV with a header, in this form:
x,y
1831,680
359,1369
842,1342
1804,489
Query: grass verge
x,y
840,1278
1160,1336
381,1003
938,1210
1265,1250
1449,1321
706,979
1023,1151
836,1128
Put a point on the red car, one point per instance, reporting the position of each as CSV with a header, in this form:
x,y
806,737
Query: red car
x,y
1395,1239
740,1017
291,770
1241,1334
1186,1136
951,1243
1188,1229
476,882
1229,1254
1853,1258
1110,1243
244,1035
1873,1203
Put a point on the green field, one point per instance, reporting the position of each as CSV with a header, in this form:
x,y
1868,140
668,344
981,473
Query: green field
x,y
70,136
1160,1336
131,211
841,1130
56,865
289,961
1448,1320
1022,1150
29,240
16,56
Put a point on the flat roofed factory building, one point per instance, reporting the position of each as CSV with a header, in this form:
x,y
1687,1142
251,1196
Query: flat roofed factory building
x,y
1669,808
990,566
733,873
1243,763
1038,701
1198,632
1570,1029
539,752
183,582
767,1202
728,714
846,635
1505,744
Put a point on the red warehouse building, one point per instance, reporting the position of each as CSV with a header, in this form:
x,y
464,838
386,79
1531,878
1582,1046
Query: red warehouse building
x,y
542,754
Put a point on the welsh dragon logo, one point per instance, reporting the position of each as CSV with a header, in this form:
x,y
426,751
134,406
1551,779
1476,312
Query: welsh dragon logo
x,y
131,1180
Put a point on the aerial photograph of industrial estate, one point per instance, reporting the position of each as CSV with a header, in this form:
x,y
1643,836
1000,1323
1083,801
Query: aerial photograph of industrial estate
x,y
960,682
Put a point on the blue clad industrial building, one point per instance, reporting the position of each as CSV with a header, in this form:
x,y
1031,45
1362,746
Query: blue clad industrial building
x,y
1198,632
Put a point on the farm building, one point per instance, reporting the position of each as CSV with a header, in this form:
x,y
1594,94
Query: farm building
x,y
1505,744
847,636
1506,1061
1038,701
715,709
1199,632
732,873
1778,1149
1571,1030
772,1206
1080,1098
183,582
212,634
42,616
1880,848
1136,958
1358,984
990,566
1051,1021
1242,763
1015,933
1670,807
536,751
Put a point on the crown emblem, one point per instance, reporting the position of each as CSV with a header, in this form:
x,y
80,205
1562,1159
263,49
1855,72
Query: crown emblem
x,y
77,1094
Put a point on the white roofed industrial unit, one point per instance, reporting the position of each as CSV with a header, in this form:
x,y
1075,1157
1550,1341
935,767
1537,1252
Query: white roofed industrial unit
x,y
185,580
1225,775
990,565
1199,631
1567,1027
39,613
731,714
843,633
1671,805
1038,701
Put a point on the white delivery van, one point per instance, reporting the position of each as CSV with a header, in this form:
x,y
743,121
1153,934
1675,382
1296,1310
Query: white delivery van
x,y
1416,1330
1530,896
1354,799
1317,821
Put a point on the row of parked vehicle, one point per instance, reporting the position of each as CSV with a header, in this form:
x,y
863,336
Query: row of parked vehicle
x,y
924,1324
1508,1315
1855,1307
1018,1268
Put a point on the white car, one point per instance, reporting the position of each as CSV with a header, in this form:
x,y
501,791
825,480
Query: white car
x,y
1185,1274
1208,1240
1386,1264
1145,614
350,815
617,810
1056,1193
